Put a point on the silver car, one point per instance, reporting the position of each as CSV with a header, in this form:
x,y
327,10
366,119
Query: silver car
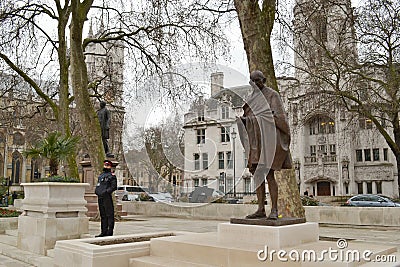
x,y
369,200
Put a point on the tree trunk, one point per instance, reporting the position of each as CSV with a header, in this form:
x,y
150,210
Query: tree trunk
x,y
256,25
53,163
63,115
86,113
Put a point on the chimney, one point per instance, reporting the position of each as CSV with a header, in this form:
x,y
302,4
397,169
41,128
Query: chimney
x,y
217,82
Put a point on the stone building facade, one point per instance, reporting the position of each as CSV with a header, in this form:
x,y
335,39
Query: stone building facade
x,y
214,156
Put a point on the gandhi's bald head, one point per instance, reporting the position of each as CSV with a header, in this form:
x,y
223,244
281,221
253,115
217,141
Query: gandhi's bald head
x,y
257,75
258,78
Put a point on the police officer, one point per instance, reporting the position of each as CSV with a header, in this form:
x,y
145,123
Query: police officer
x,y
105,187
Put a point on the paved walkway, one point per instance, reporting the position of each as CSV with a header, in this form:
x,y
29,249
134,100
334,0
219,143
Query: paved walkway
x,y
142,224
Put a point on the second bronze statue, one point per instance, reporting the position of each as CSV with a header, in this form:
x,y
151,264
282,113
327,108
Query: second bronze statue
x,y
104,116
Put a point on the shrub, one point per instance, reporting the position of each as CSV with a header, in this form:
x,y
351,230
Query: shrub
x,y
9,213
309,201
60,179
144,197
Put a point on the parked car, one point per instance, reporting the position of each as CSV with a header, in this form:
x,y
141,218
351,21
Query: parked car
x,y
130,192
162,197
370,200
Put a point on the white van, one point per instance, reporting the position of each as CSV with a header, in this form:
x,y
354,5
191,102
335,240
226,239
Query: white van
x,y
129,192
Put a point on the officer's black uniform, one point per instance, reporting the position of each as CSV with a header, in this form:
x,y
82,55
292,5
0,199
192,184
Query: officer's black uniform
x,y
106,185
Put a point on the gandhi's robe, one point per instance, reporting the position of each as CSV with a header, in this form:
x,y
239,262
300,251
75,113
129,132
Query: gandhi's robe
x,y
264,130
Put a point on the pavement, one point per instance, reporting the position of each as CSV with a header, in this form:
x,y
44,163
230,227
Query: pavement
x,y
134,224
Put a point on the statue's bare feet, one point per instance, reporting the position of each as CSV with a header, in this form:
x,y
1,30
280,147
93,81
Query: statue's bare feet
x,y
256,215
273,215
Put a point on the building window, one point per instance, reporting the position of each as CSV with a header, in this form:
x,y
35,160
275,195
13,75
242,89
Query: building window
x,y
229,184
322,125
229,160
375,154
200,115
365,123
331,127
359,188
222,182
196,182
247,185
322,149
205,161
204,181
359,156
385,154
332,149
313,130
201,136
378,187
1,166
313,150
196,161
16,171
367,154
221,160
224,112
369,187
225,134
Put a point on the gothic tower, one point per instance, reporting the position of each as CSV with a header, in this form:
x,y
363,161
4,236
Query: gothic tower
x,y
322,29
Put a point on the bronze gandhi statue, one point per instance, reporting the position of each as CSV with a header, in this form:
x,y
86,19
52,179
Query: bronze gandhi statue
x,y
264,133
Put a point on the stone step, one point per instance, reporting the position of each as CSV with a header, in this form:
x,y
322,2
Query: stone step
x,y
122,213
154,261
9,240
26,256
13,232
207,249
50,253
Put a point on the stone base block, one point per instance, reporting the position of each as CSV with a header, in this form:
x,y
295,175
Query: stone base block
x,y
105,251
38,234
275,237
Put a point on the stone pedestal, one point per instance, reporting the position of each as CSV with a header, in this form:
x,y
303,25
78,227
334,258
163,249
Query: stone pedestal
x,y
50,212
275,237
89,177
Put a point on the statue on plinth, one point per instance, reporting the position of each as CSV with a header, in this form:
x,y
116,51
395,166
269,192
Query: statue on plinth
x,y
104,116
264,133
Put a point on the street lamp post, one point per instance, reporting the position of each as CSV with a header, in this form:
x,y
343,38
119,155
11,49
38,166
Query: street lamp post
x,y
297,169
233,134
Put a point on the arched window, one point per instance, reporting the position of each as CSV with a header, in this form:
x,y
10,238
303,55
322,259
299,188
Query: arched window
x,y
19,139
16,167
2,139
1,165
321,125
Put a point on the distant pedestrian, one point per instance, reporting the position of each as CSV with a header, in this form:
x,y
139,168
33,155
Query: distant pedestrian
x,y
14,196
306,192
106,185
